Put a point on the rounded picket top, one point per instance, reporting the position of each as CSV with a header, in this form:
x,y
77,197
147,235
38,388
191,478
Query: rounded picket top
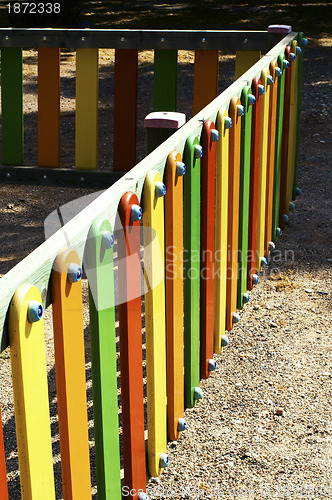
x,y
285,218
240,110
107,240
286,64
246,298
182,424
160,189
74,273
35,311
163,460
298,191
261,89
291,205
298,50
278,71
292,57
255,279
224,341
271,246
212,365
214,135
304,42
227,122
198,151
251,99
269,80
278,231
235,318
198,393
135,213
180,168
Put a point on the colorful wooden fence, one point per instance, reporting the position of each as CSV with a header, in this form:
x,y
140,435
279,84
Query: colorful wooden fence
x,y
210,202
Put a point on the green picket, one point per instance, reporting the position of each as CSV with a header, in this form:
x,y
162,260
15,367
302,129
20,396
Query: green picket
x,y
165,80
98,264
298,114
191,270
12,105
244,196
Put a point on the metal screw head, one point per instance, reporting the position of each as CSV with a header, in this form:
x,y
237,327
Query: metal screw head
x,y
160,189
182,425
7,174
291,206
240,110
271,246
198,151
261,89
180,168
7,37
298,51
83,38
135,213
278,71
214,135
74,273
163,460
297,190
203,40
263,262
286,64
235,318
245,40
251,100
285,218
44,38
198,393
82,179
162,40
35,311
304,42
122,39
227,122
212,365
269,80
246,298
292,57
278,231
107,240
143,496
255,279
224,341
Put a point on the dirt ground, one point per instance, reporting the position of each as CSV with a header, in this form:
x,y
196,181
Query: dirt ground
x,y
263,428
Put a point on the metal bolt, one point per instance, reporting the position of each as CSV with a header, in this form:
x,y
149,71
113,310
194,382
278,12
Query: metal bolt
x,y
122,39
44,176
198,151
82,179
182,424
74,273
278,231
292,57
297,190
224,341
82,38
160,189
107,240
246,298
214,135
35,311
8,174
278,71
261,89
7,37
198,393
285,218
203,40
180,168
251,99
255,279
143,496
240,110
135,213
227,122
235,318
212,365
246,40
162,40
291,206
298,51
269,80
44,38
304,42
163,460
286,64
271,246
263,262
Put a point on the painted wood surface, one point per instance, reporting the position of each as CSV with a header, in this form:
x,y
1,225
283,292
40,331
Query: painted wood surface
x,y
98,265
254,181
191,270
49,107
278,146
154,264
233,211
300,58
264,130
165,71
221,218
244,59
244,195
86,121
67,310
174,293
36,267
271,142
130,333
3,474
208,174
32,416
12,106
285,137
206,73
125,109
292,128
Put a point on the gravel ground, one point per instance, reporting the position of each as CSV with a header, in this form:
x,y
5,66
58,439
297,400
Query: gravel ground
x,y
263,428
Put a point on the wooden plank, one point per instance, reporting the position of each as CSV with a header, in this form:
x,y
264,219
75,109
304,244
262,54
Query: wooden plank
x,y
12,106
130,334
264,131
36,267
254,181
285,137
155,330
300,58
244,59
125,109
49,107
191,270
271,142
67,310
233,211
165,72
206,73
222,155
32,416
208,173
86,122
247,100
3,474
278,148
98,264
174,293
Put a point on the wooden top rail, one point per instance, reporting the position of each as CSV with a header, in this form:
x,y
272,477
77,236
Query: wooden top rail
x,y
36,267
137,39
